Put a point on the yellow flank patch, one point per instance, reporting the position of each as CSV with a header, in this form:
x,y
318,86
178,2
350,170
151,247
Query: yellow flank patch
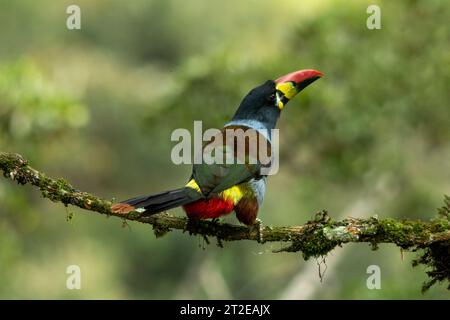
x,y
288,89
236,193
193,185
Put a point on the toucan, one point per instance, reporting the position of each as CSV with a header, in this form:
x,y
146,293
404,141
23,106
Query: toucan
x,y
216,188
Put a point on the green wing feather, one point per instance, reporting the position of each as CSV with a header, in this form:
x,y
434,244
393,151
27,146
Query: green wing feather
x,y
216,177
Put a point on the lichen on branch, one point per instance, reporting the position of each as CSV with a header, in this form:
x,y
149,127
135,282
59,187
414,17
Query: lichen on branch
x,y
313,239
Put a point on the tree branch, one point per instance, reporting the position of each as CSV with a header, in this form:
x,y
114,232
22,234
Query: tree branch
x,y
315,238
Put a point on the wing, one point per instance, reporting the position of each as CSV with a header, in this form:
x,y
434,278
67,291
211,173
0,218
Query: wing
x,y
234,156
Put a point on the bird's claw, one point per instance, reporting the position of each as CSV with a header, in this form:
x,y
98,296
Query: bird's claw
x,y
257,226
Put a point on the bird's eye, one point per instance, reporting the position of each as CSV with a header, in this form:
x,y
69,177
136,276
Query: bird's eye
x,y
271,97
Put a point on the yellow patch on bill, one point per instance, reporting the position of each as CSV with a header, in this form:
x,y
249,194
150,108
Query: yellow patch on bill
x,y
288,89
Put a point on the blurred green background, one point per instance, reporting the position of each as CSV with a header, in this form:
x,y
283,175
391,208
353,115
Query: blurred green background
x,y
97,106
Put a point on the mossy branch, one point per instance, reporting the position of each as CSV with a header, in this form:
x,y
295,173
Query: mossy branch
x,y
315,238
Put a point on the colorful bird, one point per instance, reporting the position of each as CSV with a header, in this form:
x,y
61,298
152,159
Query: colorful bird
x,y
219,187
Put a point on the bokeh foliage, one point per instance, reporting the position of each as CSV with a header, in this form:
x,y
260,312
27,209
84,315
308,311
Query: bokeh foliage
x,y
97,107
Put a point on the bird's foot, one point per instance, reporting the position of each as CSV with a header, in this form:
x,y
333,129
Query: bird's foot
x,y
258,227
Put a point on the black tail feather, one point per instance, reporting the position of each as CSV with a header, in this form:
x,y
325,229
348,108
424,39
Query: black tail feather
x,y
163,201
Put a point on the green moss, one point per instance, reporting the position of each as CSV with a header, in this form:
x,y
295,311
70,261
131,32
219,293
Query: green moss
x,y
56,190
11,165
439,225
436,257
11,161
63,186
401,233
316,244
339,232
160,230
316,241
445,210
134,215
409,234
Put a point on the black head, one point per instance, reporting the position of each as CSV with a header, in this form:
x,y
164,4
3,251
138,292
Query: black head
x,y
260,105
265,102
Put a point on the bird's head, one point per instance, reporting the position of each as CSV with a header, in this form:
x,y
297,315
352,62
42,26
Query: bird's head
x,y
265,102
289,85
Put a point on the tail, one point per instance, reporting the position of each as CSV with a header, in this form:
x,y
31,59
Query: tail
x,y
158,202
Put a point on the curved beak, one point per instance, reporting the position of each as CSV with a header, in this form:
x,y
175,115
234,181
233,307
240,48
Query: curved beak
x,y
292,83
